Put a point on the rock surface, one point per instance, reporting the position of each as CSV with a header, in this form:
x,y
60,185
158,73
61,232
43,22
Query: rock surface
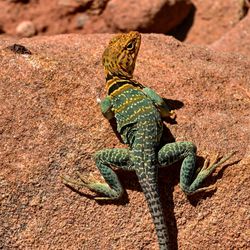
x,y
50,125
145,16
197,21
237,39
94,16
212,19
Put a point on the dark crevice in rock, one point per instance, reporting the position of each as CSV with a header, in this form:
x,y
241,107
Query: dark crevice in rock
x,y
180,32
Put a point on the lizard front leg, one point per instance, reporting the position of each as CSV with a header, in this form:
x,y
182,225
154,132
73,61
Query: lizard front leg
x,y
159,103
106,107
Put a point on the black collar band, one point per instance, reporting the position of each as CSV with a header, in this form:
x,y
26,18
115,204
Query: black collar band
x,y
118,84
109,77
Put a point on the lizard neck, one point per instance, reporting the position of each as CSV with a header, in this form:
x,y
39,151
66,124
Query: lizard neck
x,y
116,84
113,79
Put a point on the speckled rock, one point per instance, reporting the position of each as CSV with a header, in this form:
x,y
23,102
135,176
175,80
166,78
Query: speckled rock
x,y
212,19
237,39
94,16
50,125
146,16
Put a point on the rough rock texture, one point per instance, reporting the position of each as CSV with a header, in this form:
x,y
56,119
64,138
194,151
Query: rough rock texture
x,y
205,22
212,19
50,125
236,40
49,17
90,16
145,16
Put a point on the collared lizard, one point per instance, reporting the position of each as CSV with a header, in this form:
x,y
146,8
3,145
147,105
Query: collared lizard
x,y
138,111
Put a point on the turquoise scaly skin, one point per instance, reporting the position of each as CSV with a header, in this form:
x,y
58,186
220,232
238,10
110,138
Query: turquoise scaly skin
x,y
138,111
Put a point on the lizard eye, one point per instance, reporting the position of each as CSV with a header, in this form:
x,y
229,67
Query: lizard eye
x,y
130,45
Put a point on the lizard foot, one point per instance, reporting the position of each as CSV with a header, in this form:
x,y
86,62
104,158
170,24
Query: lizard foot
x,y
85,181
207,169
211,164
90,183
72,182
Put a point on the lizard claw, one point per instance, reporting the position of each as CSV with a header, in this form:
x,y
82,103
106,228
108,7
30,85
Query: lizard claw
x,y
87,179
172,114
103,198
84,181
72,182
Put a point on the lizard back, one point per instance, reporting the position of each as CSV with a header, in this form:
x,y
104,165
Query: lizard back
x,y
132,108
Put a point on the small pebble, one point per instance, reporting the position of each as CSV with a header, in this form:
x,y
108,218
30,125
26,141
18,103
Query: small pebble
x,y
81,21
26,29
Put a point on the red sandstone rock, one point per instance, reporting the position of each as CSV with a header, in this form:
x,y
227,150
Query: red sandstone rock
x,y
146,16
212,19
50,125
236,40
65,16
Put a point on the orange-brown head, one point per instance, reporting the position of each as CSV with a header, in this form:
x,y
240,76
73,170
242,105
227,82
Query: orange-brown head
x,y
120,56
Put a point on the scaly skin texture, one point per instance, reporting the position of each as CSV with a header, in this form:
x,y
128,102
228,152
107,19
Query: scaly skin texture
x,y
138,111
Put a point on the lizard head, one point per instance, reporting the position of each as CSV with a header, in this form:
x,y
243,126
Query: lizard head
x,y
120,56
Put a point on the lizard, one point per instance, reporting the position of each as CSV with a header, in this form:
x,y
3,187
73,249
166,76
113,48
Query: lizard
x,y
139,112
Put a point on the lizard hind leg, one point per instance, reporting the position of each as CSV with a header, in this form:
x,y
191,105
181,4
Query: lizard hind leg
x,y
190,181
111,189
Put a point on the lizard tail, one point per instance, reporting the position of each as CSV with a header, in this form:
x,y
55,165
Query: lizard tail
x,y
147,173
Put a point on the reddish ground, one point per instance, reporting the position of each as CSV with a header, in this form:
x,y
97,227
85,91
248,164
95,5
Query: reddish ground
x,y
50,125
